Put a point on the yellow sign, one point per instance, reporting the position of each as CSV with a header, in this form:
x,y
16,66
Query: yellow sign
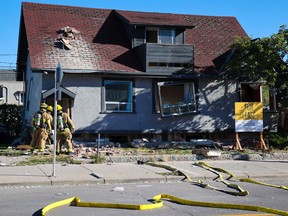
x,y
248,116
249,111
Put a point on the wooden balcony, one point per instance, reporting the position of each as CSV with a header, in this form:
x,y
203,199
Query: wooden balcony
x,y
166,58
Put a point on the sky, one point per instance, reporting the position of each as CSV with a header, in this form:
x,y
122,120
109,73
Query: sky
x,y
259,18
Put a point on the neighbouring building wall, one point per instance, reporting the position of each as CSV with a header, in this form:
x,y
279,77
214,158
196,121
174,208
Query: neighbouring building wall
x,y
12,92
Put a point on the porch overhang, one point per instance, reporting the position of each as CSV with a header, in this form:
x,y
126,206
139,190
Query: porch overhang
x,y
62,89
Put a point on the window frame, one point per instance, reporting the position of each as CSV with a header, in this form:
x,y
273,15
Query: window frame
x,y
268,99
172,35
158,101
118,103
158,30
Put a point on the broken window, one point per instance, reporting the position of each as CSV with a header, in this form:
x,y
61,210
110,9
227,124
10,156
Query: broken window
x,y
259,92
117,96
174,99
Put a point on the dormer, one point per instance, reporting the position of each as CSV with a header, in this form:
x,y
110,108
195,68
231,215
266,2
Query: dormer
x,y
158,35
160,41
161,28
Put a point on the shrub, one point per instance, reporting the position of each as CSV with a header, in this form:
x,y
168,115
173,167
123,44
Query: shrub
x,y
11,118
278,140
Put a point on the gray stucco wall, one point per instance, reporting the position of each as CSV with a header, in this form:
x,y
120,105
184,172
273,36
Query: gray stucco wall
x,y
215,106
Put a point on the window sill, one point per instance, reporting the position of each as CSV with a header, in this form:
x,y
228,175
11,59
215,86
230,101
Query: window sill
x,y
179,115
117,112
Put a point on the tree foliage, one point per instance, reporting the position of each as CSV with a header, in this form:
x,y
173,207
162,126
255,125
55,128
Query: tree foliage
x,y
260,59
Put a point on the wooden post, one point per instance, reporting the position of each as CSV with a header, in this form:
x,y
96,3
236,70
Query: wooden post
x,y
261,144
237,144
98,147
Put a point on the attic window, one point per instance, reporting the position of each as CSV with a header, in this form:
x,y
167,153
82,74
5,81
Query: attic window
x,y
67,35
160,35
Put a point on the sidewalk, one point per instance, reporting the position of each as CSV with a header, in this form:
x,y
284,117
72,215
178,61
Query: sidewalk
x,y
132,172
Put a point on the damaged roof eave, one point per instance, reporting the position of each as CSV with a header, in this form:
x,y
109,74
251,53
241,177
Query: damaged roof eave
x,y
86,71
121,73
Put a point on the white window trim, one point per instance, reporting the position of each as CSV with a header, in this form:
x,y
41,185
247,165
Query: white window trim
x,y
158,34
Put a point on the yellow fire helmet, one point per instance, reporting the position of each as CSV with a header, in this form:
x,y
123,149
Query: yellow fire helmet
x,y
43,105
59,107
50,108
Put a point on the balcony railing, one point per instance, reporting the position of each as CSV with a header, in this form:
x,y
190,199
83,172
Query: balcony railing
x,y
178,109
166,58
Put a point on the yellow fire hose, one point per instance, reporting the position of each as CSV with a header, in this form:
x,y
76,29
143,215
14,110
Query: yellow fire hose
x,y
157,200
202,164
240,191
157,203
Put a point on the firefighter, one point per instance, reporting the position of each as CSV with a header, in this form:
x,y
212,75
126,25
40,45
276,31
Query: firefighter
x,y
41,128
65,128
50,115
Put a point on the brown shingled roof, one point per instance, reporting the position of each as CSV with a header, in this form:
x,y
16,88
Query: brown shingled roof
x,y
101,43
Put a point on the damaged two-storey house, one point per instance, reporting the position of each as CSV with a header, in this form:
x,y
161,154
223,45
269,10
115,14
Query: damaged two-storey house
x,y
131,74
